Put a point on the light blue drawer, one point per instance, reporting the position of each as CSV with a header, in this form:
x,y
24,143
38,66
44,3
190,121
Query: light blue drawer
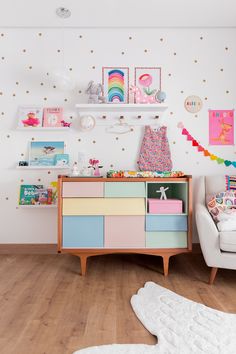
x,y
166,239
125,189
166,223
82,231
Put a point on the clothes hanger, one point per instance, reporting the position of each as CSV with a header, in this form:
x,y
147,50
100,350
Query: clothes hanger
x,y
120,128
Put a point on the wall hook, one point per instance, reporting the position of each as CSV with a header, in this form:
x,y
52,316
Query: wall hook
x,y
139,117
156,117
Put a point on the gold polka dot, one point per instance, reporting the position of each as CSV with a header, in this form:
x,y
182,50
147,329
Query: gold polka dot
x,y
94,142
169,74
161,39
49,172
80,91
7,198
227,91
22,154
123,149
30,67
196,116
2,34
174,142
122,53
91,51
40,34
3,58
145,50
181,91
201,38
130,38
111,166
27,91
32,139
14,95
93,67
171,113
39,179
54,86
205,98
17,83
70,69
203,80
2,113
131,129
195,61
226,48
221,69
79,139
1,93
65,99
8,136
22,180
23,50
197,163
117,138
47,74
41,83
58,51
45,98
80,36
186,152
175,53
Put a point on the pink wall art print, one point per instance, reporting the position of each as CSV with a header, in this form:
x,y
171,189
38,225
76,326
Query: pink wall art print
x,y
221,127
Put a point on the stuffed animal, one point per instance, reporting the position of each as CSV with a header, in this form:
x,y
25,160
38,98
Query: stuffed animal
x,y
95,93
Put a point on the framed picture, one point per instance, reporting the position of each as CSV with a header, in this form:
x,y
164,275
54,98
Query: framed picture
x,y
29,116
42,153
52,117
221,127
115,81
147,80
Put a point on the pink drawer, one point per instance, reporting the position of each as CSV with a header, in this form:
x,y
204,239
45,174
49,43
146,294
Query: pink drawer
x,y
82,189
124,231
168,206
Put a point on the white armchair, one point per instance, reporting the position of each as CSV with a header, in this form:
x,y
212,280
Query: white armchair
x,y
218,248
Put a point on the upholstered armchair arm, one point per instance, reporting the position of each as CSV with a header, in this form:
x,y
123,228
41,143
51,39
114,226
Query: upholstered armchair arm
x,y
208,235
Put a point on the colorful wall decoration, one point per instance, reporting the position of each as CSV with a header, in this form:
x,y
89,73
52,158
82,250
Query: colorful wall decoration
x,y
147,81
193,104
221,127
116,84
200,148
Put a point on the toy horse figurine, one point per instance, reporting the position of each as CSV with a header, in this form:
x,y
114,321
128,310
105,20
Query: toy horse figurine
x,y
141,97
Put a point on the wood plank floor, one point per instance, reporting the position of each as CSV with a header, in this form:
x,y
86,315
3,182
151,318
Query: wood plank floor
x,y
47,308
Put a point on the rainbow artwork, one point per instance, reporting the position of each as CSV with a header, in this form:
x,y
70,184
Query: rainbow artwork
x,y
116,86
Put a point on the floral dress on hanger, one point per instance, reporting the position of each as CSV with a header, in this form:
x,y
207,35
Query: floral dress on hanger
x,y
155,151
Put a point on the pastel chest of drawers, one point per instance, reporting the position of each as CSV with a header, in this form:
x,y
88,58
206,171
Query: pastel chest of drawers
x,y
110,215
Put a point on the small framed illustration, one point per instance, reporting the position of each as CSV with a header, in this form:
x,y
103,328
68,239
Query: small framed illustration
x,y
30,117
115,81
42,153
52,117
221,127
147,81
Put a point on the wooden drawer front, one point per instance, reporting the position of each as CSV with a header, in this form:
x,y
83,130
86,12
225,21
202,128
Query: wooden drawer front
x,y
124,232
166,223
82,189
125,189
103,206
82,231
166,239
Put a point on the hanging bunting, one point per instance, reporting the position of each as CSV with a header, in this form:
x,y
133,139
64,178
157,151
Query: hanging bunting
x,y
200,148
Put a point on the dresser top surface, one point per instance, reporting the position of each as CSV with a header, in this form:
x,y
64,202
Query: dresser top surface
x,y
65,178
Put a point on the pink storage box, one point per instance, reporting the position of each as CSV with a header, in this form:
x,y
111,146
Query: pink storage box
x,y
165,206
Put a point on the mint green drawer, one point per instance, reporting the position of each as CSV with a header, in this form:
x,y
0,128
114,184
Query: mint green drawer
x,y
166,239
125,189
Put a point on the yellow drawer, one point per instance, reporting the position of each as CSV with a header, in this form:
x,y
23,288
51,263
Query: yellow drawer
x,y
103,206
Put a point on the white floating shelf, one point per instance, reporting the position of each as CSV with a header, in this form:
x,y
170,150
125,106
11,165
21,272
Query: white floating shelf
x,y
38,206
57,129
42,167
125,107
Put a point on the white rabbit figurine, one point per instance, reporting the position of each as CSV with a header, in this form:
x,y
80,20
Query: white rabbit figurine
x,y
95,93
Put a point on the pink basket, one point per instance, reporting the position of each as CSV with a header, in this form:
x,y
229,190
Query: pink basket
x,y
165,206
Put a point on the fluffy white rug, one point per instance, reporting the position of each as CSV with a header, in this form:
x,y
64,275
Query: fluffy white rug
x,y
181,325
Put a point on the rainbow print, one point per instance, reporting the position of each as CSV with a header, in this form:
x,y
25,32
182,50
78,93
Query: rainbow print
x,y
116,86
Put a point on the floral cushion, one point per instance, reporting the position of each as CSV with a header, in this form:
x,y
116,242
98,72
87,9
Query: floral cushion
x,y
230,182
220,204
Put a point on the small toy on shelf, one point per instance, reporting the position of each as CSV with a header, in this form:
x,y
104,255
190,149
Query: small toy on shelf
x,y
160,96
23,163
94,164
95,92
75,170
162,190
141,97
65,124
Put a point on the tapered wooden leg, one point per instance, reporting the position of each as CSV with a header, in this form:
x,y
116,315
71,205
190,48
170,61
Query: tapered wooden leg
x,y
83,264
212,275
166,264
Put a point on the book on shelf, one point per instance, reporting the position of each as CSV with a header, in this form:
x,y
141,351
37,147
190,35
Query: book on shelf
x,y
36,194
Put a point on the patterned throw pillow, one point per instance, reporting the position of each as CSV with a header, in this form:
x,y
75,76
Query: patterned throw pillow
x,y
223,202
230,182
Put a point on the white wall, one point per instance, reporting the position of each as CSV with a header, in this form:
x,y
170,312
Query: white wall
x,y
85,51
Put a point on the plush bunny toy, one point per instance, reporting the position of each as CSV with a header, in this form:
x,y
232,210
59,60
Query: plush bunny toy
x,y
95,93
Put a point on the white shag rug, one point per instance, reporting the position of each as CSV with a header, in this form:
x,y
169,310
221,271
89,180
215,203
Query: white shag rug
x,y
182,326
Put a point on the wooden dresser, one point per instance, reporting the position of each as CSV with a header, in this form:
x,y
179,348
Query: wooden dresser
x,y
110,215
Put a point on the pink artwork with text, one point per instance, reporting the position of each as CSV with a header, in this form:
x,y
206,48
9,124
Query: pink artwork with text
x,y
221,127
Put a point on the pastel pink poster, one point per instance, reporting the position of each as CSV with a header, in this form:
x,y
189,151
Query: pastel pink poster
x,y
221,127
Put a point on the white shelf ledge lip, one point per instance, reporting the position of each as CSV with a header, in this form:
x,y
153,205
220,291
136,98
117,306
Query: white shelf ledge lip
x,y
43,129
106,107
42,167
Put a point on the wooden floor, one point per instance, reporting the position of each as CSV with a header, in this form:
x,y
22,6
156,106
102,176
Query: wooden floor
x,y
47,308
